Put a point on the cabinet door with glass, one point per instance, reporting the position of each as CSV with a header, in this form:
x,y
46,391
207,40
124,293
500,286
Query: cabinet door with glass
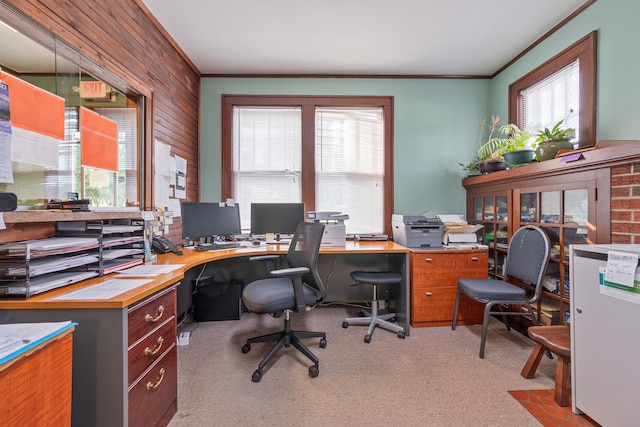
x,y
492,211
566,214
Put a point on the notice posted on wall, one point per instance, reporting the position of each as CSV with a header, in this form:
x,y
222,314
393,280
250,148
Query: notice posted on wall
x,y
620,278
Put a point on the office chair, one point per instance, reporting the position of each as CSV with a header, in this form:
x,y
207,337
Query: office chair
x,y
290,289
373,319
527,259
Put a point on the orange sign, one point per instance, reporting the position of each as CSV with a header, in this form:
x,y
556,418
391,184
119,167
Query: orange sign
x,y
98,140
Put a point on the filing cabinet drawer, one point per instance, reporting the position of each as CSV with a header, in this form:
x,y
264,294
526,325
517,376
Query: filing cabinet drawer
x,y
434,283
444,269
433,306
153,399
151,313
149,349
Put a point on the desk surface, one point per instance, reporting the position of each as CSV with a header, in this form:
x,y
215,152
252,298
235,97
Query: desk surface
x,y
191,258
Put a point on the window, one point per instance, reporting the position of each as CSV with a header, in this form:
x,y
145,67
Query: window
x,y
564,83
332,153
552,99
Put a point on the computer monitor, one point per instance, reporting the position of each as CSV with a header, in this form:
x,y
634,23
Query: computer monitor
x,y
276,218
207,220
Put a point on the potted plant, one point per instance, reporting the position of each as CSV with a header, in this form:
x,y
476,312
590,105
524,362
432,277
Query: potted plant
x,y
513,146
489,154
549,141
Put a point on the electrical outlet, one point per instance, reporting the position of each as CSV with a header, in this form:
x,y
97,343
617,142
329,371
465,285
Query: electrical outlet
x,y
183,338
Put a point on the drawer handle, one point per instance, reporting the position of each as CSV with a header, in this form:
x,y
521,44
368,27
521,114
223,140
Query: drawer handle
x,y
428,259
152,319
428,294
153,386
474,259
149,352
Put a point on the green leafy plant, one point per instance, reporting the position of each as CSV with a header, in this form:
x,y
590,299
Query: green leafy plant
x,y
515,138
489,150
556,132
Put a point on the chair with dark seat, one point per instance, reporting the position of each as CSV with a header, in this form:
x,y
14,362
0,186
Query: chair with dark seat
x,y
527,259
373,319
296,288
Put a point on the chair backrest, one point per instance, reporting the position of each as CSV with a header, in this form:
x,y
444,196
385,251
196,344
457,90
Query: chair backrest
x,y
528,257
304,252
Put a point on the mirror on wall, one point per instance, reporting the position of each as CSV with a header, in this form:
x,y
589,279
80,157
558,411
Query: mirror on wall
x,y
70,129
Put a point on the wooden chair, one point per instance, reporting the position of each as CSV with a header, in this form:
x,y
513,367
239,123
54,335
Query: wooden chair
x,y
556,339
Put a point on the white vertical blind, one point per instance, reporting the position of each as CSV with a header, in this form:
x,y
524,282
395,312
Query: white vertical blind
x,y
267,158
350,166
552,99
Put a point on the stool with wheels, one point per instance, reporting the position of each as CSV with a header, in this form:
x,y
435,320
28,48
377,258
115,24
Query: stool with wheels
x,y
373,319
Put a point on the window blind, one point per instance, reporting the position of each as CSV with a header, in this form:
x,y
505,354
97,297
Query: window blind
x,y
266,157
552,99
349,162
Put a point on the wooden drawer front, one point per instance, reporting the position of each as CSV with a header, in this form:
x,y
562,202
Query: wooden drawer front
x,y
153,399
148,350
150,314
444,269
435,305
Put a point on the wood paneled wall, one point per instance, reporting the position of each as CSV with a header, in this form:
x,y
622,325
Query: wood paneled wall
x,y
125,39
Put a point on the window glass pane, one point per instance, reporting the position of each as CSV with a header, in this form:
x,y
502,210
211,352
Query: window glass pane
x,y
528,207
553,99
550,207
267,160
349,166
576,205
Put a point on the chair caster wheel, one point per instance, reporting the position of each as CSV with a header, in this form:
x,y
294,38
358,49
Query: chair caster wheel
x,y
393,320
323,343
367,339
345,325
361,314
313,371
257,376
245,349
401,335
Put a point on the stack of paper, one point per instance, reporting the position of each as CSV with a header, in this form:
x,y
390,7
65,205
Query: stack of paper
x,y
457,230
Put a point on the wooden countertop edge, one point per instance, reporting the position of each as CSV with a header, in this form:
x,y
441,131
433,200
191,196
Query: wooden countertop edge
x,y
57,337
190,259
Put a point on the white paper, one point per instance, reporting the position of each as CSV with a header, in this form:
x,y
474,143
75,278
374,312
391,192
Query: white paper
x,y
621,268
452,218
19,336
150,270
104,290
620,291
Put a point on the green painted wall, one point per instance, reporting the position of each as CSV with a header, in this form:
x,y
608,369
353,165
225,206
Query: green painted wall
x,y
436,121
618,82
436,127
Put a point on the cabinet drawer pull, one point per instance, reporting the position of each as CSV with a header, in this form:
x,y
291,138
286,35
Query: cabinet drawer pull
x,y
428,260
428,294
151,386
151,352
152,319
474,259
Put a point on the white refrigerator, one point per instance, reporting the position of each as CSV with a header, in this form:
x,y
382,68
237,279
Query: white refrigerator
x,y
605,333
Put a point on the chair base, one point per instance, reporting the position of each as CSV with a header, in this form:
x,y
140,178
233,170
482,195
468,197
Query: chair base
x,y
286,338
373,319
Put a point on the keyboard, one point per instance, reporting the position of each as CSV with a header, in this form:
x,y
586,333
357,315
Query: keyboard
x,y
202,247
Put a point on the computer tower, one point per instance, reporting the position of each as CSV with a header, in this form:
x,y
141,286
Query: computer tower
x,y
217,300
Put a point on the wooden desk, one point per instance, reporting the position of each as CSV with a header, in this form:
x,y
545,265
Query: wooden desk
x,y
104,349
36,385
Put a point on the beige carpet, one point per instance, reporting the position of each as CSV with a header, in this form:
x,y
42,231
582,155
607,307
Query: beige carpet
x,y
434,377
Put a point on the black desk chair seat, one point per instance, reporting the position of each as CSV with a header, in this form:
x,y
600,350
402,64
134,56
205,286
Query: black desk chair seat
x,y
297,288
373,319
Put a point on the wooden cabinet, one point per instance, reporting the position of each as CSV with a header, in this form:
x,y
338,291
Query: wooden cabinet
x,y
124,353
153,376
434,276
36,388
562,204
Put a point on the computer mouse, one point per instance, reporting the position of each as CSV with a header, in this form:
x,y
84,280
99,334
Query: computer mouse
x,y
256,243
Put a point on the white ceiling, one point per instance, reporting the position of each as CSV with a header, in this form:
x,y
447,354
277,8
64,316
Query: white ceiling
x,y
360,37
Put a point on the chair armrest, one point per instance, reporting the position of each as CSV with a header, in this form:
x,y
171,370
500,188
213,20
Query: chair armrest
x,y
263,257
296,278
289,271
